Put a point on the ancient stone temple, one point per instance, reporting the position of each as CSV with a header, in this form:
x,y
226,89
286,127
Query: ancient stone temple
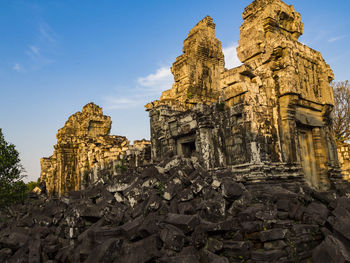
x,y
268,118
239,159
84,149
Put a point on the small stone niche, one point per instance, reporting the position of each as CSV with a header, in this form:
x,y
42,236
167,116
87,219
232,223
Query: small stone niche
x,y
186,145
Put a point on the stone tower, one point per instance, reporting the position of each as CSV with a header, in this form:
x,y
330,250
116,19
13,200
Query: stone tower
x,y
83,145
295,80
197,71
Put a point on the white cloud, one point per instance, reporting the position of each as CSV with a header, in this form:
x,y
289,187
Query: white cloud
x,y
17,67
161,80
150,87
231,59
146,89
114,103
334,39
46,33
39,54
40,51
34,50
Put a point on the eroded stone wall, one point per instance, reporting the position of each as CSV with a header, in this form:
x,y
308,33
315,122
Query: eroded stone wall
x,y
293,96
85,150
344,159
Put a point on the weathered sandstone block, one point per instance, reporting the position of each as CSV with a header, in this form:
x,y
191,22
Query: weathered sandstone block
x,y
344,159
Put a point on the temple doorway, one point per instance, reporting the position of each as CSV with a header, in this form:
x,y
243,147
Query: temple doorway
x,y
307,157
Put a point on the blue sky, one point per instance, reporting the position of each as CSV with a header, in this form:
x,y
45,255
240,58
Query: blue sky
x,y
56,56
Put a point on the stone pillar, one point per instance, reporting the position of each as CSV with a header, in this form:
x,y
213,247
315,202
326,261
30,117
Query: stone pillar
x,y
320,155
288,128
67,170
205,143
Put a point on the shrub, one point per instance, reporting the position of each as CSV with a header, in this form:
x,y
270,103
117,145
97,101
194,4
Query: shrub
x,y
12,188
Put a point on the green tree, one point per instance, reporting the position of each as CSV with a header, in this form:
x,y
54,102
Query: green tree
x,y
12,188
31,185
341,112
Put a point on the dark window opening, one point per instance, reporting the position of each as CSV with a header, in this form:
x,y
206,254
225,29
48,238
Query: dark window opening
x,y
186,145
188,148
239,118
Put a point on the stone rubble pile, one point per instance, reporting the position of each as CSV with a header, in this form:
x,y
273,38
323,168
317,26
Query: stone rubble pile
x,y
177,211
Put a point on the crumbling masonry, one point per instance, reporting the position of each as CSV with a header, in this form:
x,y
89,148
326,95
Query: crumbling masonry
x,y
85,150
344,159
266,120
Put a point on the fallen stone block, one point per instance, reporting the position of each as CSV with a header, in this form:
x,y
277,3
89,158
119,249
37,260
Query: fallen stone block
x,y
15,239
267,256
34,251
186,223
5,253
231,190
177,259
214,245
331,250
273,234
105,252
129,229
300,229
209,257
239,250
142,251
172,237
316,212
